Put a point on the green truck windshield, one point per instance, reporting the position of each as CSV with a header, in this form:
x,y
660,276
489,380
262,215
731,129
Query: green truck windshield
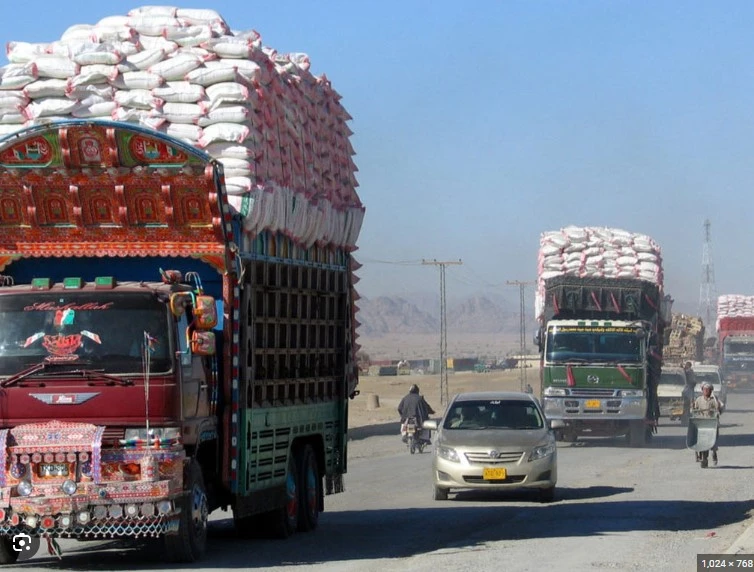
x,y
106,331
565,344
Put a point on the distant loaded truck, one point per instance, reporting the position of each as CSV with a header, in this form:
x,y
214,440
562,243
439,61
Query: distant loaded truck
x,y
600,337
736,350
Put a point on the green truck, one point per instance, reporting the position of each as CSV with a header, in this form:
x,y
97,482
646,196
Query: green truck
x,y
600,341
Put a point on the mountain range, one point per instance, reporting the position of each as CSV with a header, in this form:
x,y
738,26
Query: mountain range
x,y
420,314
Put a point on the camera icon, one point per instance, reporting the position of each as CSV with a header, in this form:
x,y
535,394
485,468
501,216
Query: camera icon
x,y
21,542
25,545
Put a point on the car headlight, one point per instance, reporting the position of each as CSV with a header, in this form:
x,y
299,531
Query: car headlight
x,y
542,451
631,393
555,391
448,453
161,433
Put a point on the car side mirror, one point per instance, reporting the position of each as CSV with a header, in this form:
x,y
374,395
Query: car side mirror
x,y
556,423
430,424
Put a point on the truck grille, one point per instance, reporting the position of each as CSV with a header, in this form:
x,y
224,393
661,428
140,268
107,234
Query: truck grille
x,y
587,392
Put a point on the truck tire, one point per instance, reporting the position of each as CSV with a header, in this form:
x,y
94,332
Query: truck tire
x,y
637,433
282,522
310,490
7,554
190,544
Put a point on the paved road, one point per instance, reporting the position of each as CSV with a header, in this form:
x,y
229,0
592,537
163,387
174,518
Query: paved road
x,y
618,508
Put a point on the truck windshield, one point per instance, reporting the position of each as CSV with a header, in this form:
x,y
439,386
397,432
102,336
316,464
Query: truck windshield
x,y
107,331
739,347
567,344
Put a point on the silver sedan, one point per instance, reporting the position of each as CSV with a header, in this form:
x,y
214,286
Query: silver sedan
x,y
494,441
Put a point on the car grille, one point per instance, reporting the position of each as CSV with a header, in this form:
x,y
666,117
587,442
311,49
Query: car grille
x,y
483,458
480,481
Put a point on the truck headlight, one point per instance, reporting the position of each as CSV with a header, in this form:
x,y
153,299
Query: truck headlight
x,y
542,451
631,393
556,391
449,454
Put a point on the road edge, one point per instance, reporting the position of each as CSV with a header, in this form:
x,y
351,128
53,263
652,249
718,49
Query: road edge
x,y
744,544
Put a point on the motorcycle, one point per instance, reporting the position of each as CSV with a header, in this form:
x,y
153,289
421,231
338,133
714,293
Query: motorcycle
x,y
415,437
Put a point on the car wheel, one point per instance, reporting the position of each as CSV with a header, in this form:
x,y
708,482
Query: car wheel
x,y
547,495
440,493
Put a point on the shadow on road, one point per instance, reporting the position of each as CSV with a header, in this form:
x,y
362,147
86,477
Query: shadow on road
x,y
381,429
354,536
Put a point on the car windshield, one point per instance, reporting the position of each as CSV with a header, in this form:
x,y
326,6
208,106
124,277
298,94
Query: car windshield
x,y
106,331
493,414
672,379
566,343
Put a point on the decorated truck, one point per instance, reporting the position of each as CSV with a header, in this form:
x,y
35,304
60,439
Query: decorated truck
x,y
156,363
177,320
601,326
735,340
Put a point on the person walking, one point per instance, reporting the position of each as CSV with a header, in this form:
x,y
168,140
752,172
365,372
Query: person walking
x,y
708,405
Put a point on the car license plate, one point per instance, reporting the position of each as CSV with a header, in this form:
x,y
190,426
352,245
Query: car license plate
x,y
592,404
53,470
494,474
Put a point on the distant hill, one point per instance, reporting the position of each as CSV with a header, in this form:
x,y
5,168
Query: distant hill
x,y
391,315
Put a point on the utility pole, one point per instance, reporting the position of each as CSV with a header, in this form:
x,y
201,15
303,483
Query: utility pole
x,y
443,329
522,327
707,290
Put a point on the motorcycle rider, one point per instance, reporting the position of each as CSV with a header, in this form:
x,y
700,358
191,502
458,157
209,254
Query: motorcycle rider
x,y
414,405
708,405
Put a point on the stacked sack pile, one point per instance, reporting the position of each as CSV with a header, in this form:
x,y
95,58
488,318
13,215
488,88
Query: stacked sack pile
x,y
596,252
685,339
279,131
734,306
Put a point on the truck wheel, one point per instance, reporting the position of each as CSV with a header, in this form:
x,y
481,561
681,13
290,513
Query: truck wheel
x,y
283,521
310,490
7,554
190,544
637,433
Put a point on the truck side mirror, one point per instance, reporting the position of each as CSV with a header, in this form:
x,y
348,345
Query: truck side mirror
x,y
179,301
538,338
203,343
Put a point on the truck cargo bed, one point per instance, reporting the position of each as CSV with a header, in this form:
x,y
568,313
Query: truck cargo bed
x,y
601,298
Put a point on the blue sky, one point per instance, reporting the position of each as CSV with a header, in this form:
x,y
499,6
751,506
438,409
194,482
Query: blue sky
x,y
480,125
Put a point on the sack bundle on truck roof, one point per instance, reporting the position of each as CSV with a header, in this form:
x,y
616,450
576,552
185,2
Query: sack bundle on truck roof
x,y
280,132
596,252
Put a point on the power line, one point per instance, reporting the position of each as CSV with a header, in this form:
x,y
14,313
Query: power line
x,y
522,326
443,328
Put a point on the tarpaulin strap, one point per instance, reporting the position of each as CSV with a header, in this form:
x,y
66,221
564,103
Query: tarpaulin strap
x,y
624,373
569,376
555,305
615,302
596,302
649,301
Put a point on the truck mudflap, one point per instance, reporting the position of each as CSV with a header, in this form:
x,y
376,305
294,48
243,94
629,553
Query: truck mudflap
x,y
59,482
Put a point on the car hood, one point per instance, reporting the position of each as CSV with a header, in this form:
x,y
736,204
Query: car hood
x,y
498,438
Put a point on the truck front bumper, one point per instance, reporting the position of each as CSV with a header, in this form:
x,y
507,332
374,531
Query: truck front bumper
x,y
604,409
